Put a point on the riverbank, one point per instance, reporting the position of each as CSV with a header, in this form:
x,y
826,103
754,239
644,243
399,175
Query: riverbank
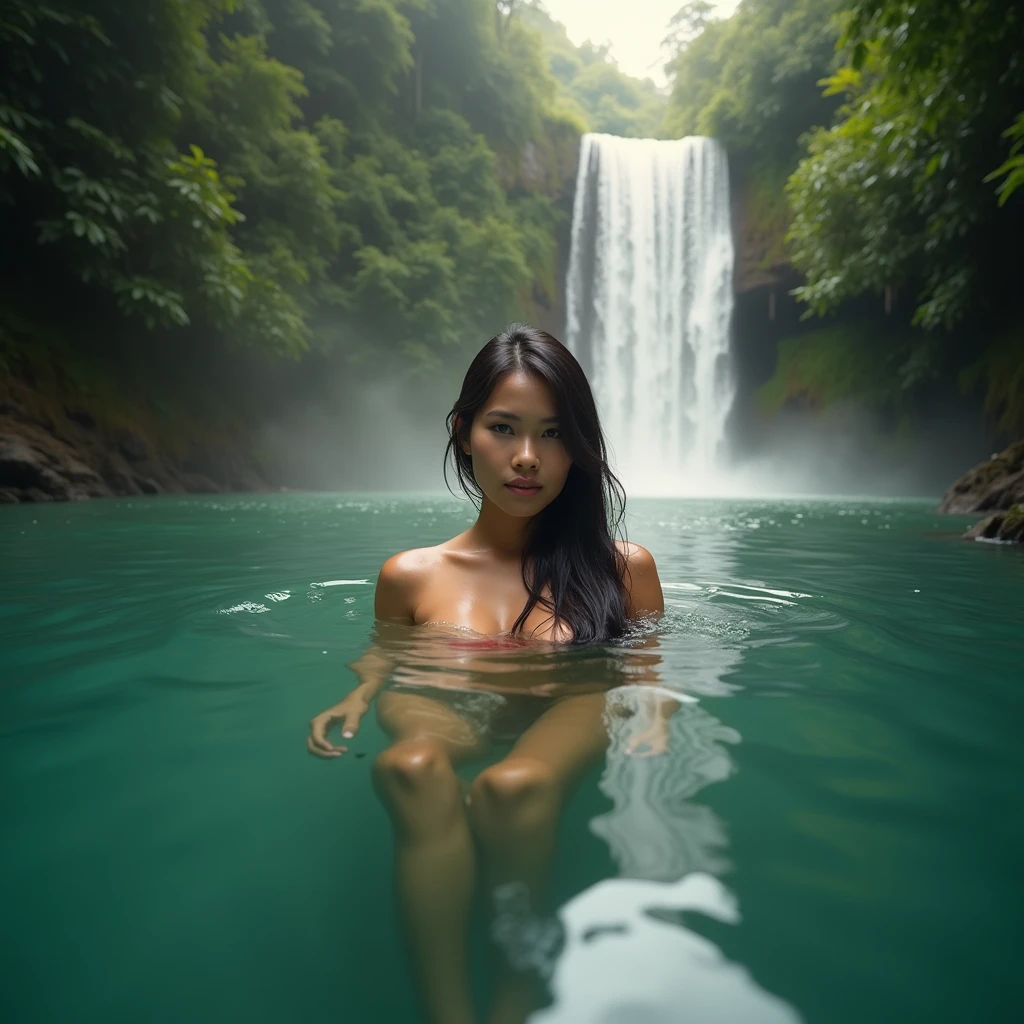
x,y
58,445
66,435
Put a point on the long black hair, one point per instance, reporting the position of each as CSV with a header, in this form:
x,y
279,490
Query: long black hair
x,y
570,548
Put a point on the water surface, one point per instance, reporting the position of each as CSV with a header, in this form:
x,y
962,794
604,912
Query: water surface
x,y
841,801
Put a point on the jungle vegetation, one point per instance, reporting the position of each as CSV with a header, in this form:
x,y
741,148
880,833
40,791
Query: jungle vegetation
x,y
258,184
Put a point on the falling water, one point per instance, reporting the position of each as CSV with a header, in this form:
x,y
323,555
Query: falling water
x,y
649,304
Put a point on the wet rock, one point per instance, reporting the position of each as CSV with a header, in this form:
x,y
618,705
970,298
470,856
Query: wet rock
x,y
26,468
83,418
1007,527
197,483
42,419
117,476
75,455
133,446
20,465
145,485
74,469
991,486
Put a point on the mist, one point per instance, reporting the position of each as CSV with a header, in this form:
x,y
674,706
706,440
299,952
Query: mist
x,y
390,436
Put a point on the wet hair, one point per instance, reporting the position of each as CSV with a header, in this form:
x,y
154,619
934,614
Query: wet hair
x,y
570,546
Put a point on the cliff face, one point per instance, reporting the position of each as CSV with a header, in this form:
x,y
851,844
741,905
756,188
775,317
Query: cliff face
x,y
56,447
547,168
759,219
759,222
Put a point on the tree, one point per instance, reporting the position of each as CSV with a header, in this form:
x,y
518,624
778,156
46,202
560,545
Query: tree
x,y
594,90
503,11
897,192
685,25
751,80
95,170
284,174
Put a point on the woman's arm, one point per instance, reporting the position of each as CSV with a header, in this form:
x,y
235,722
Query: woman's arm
x,y
643,587
645,601
372,670
392,603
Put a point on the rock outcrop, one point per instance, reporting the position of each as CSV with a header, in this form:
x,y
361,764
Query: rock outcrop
x,y
991,486
53,452
1007,527
760,258
997,487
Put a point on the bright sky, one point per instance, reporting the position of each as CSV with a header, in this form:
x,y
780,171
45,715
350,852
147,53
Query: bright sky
x,y
635,28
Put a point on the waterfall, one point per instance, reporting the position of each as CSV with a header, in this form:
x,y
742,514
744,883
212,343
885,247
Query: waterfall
x,y
649,301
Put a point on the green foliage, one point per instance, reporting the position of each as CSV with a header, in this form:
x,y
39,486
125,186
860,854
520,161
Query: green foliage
x,y
750,80
686,24
895,192
593,89
842,362
999,373
1012,171
766,213
92,100
280,174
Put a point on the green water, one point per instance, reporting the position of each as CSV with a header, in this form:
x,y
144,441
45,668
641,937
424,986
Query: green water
x,y
852,769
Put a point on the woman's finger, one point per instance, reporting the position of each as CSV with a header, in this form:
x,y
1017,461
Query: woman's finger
x,y
318,742
324,749
318,729
350,724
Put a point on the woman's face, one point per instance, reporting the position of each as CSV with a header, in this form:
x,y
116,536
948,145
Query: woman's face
x,y
519,459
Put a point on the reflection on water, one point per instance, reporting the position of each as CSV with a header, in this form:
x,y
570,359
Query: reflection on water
x,y
653,830
624,963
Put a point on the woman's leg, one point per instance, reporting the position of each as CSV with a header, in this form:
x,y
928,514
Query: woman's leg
x,y
514,807
434,854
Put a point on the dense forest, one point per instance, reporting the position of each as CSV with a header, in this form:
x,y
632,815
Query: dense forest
x,y
880,145
209,206
196,192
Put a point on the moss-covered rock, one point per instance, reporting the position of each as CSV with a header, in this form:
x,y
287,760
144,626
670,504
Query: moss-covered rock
x,y
1007,527
995,485
69,438
760,219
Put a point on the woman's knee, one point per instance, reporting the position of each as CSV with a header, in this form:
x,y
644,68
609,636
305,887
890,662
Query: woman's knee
x,y
513,791
418,765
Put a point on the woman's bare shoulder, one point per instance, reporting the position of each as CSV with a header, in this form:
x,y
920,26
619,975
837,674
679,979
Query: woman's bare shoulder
x,y
401,579
411,563
635,554
640,575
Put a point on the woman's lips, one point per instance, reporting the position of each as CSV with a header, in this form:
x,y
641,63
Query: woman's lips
x,y
525,490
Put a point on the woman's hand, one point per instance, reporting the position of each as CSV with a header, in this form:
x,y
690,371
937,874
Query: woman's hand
x,y
650,741
348,712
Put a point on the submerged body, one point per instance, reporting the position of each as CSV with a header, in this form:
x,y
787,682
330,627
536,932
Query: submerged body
x,y
462,627
447,693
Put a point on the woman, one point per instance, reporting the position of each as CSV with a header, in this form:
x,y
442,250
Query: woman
x,y
539,568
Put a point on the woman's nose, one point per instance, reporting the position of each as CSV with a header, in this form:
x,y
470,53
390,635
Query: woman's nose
x,y
526,456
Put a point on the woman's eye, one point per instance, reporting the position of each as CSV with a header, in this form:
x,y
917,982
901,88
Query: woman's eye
x,y
553,432
501,428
